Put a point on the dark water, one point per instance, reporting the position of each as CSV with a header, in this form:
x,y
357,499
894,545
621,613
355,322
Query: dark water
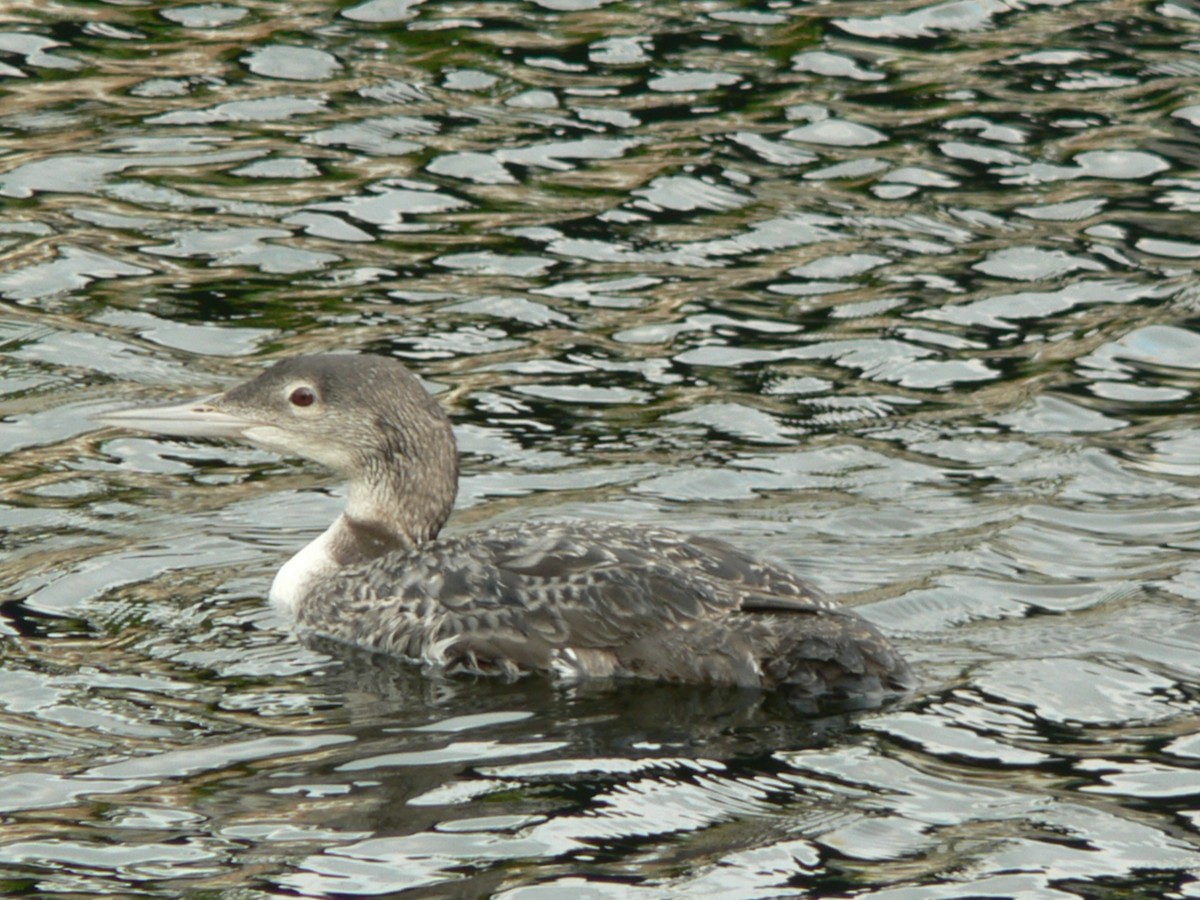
x,y
903,295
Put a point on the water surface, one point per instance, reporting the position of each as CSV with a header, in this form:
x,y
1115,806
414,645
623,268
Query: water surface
x,y
901,295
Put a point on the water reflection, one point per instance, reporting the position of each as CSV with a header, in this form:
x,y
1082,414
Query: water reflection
x,y
902,297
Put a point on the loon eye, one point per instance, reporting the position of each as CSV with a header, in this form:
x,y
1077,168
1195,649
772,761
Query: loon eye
x,y
302,396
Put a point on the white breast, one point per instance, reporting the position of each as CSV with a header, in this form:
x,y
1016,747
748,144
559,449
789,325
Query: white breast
x,y
292,581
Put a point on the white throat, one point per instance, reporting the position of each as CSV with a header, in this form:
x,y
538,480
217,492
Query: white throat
x,y
294,581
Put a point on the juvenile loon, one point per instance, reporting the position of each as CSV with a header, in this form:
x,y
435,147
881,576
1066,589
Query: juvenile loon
x,y
576,599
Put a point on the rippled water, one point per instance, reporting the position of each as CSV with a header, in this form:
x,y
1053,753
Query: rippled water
x,y
903,295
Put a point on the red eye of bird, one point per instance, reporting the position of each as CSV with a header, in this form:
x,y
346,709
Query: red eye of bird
x,y
302,396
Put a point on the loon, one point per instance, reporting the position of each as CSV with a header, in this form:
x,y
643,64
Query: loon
x,y
573,599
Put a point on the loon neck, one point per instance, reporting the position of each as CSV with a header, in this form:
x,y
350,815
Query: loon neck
x,y
347,542
352,541
389,509
393,509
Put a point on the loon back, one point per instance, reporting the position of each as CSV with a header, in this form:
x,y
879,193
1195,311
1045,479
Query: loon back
x,y
591,600
582,600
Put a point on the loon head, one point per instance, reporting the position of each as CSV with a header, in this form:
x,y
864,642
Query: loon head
x,y
366,417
